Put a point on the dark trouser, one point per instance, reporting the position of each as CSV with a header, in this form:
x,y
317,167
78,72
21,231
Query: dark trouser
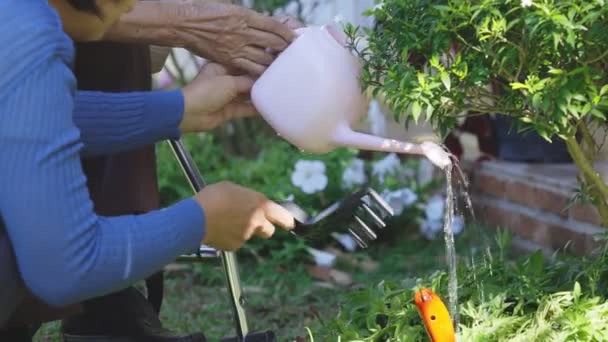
x,y
21,313
124,183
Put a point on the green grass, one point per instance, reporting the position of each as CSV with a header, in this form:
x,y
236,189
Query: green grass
x,y
283,297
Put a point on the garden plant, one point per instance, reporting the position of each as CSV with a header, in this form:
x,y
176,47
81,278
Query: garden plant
x,y
543,63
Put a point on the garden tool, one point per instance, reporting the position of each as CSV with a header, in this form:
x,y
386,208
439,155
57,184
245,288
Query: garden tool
x,y
435,315
360,214
228,258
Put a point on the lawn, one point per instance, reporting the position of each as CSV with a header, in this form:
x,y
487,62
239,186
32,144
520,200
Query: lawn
x,y
285,298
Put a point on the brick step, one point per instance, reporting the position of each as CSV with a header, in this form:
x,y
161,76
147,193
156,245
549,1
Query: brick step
x,y
541,228
543,187
531,200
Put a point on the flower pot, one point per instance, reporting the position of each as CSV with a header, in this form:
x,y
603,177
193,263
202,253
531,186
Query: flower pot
x,y
528,147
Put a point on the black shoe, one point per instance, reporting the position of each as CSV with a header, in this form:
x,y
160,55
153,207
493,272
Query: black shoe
x,y
124,316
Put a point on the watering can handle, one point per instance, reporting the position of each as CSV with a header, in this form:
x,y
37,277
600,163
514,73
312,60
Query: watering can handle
x,y
335,33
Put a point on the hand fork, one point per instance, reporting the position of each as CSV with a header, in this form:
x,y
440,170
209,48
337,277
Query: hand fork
x,y
361,214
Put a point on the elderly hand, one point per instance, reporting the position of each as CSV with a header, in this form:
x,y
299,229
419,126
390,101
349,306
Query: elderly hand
x,y
234,36
234,214
214,97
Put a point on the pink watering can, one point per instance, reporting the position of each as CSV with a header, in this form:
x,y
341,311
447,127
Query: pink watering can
x,y
311,96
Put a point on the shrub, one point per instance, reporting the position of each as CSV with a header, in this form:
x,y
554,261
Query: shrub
x,y
541,62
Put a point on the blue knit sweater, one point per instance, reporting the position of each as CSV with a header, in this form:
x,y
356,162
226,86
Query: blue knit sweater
x,y
64,252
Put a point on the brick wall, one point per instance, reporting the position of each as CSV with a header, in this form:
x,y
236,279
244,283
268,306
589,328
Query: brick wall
x,y
531,201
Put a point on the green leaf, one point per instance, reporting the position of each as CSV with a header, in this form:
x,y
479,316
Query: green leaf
x,y
517,85
422,79
536,262
442,8
544,134
536,100
554,71
526,119
429,111
596,113
445,79
586,108
416,110
576,293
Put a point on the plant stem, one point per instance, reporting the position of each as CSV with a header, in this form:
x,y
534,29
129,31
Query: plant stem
x,y
591,146
598,187
597,59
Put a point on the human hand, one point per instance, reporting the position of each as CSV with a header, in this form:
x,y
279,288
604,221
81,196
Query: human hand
x,y
291,22
214,97
233,214
231,35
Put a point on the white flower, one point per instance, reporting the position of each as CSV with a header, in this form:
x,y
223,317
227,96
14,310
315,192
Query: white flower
x,y
434,208
377,120
409,197
526,3
433,223
354,174
309,176
322,258
379,6
338,19
431,228
425,171
388,164
457,224
399,199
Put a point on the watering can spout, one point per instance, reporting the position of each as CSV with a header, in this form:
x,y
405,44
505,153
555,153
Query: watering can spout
x,y
346,137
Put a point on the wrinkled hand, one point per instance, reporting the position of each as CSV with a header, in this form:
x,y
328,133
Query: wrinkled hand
x,y
234,36
291,22
214,97
234,214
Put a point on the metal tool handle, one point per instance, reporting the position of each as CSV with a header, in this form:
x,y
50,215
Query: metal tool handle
x,y
228,258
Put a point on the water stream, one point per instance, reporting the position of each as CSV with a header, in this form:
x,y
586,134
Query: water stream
x,y
450,209
451,249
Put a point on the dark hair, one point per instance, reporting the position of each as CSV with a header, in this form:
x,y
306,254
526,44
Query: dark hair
x,y
85,5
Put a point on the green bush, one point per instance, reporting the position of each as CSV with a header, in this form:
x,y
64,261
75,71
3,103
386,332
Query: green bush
x,y
502,298
542,62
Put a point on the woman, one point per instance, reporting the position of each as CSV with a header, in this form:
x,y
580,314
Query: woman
x,y
52,243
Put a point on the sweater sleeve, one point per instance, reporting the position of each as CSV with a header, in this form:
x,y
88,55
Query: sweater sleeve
x,y
64,251
116,122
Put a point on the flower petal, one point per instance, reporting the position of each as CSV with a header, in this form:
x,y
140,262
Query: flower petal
x,y
298,178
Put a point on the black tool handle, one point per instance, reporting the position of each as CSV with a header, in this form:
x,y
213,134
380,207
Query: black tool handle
x,y
228,258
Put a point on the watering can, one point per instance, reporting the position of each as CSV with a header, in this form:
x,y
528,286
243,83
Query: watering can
x,y
311,96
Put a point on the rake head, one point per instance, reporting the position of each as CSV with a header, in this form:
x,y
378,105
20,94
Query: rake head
x,y
361,215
